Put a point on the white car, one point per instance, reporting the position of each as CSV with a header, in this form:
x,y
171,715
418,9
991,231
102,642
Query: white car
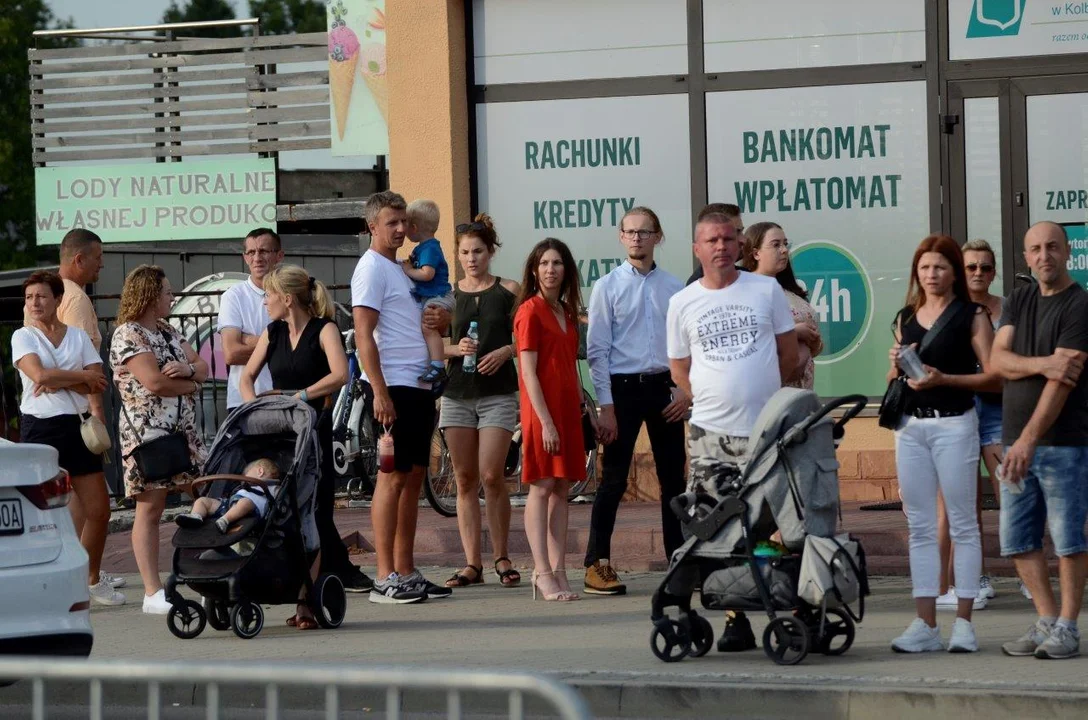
x,y
44,602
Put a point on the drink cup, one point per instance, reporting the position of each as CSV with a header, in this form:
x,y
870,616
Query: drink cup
x,y
910,363
1015,488
386,458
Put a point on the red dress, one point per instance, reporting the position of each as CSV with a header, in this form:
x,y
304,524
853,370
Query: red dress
x,y
536,328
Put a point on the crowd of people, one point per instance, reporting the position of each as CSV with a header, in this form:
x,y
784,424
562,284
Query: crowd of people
x,y
694,363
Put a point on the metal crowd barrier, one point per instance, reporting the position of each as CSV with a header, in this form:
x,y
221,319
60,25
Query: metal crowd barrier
x,y
222,681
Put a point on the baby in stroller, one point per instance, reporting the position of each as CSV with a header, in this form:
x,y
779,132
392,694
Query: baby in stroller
x,y
247,500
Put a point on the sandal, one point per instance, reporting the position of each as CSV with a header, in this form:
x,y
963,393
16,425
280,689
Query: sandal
x,y
508,578
292,621
307,623
459,579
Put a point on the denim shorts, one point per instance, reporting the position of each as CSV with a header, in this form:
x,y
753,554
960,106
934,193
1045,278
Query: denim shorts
x,y
989,423
1055,496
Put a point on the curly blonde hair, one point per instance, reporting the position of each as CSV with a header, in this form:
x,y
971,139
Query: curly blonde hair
x,y
142,289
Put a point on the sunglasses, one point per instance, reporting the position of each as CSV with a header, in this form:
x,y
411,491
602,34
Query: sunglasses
x,y
470,227
985,267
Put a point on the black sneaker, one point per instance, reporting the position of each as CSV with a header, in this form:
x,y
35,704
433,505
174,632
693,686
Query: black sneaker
x,y
417,582
737,636
395,591
356,581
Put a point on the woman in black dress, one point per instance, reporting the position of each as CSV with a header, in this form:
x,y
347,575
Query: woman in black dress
x,y
305,355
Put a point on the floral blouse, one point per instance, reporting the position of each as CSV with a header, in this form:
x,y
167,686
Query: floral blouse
x,y
804,313
148,415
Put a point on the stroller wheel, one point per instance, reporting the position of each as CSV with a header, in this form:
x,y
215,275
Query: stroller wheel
x,y
186,619
330,602
246,619
702,634
218,614
670,640
785,640
838,634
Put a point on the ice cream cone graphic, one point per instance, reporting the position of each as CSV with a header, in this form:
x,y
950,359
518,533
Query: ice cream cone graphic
x,y
373,72
343,60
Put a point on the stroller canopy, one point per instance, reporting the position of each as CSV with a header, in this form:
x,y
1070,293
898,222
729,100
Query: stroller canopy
x,y
248,433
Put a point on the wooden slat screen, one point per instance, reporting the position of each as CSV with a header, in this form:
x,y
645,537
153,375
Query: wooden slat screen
x,y
180,98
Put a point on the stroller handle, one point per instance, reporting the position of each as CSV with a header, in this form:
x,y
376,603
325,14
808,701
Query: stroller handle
x,y
857,403
682,503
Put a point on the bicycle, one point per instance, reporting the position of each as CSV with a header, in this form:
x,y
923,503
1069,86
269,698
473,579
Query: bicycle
x,y
354,443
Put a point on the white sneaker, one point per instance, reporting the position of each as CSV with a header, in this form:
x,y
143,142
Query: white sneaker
x,y
103,594
963,638
918,638
156,604
986,588
1024,589
949,601
116,581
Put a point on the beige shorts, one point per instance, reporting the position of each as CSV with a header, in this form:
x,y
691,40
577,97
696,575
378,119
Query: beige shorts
x,y
499,411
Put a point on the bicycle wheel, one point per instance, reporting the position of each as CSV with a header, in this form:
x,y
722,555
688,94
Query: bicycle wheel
x,y
589,485
440,485
365,465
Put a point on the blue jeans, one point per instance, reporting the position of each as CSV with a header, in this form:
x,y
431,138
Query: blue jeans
x,y
1055,496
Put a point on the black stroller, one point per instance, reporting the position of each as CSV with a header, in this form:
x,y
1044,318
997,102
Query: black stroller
x,y
277,551
790,483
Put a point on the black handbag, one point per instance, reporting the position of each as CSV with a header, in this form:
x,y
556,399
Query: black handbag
x,y
894,403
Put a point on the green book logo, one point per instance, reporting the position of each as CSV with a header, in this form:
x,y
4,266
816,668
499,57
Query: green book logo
x,y
995,18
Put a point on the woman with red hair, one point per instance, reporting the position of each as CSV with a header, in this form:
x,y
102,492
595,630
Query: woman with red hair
x,y
936,443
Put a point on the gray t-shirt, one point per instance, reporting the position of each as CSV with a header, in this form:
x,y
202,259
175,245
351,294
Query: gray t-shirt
x,y
1041,324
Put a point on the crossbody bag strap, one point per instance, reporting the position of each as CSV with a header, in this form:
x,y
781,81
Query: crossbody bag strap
x,y
56,363
942,322
177,420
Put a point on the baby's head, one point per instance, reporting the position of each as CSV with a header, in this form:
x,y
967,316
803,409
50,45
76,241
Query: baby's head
x,y
262,469
423,218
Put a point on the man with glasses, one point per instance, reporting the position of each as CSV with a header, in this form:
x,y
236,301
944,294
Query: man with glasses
x,y
625,347
242,314
730,211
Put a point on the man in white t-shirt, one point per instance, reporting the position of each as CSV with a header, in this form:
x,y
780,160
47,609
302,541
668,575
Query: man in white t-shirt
x,y
391,348
242,314
731,343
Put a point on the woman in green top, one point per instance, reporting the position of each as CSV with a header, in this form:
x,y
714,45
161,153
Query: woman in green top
x,y
480,408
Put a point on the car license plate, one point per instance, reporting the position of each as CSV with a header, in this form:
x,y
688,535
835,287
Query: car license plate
x,y
11,517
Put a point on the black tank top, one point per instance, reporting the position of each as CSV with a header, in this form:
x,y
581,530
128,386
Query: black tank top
x,y
299,368
950,352
493,311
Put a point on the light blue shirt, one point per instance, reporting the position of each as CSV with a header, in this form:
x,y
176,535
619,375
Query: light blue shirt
x,y
627,325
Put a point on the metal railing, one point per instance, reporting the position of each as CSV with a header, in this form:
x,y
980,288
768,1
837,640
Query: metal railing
x,y
438,690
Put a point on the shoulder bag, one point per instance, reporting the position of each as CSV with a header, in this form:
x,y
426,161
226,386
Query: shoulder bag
x,y
166,456
91,429
894,403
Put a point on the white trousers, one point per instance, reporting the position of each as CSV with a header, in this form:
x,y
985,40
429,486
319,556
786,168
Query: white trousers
x,y
934,453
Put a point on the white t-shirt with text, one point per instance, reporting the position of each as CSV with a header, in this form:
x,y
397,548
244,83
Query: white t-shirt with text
x,y
729,334
380,284
75,353
242,307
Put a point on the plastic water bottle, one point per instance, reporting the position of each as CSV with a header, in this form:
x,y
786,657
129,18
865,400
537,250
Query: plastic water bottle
x,y
469,363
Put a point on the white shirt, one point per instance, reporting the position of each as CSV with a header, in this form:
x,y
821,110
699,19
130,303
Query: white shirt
x,y
75,353
626,335
729,334
242,307
380,284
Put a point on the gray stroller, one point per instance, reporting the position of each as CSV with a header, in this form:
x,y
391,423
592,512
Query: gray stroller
x,y
790,484
277,552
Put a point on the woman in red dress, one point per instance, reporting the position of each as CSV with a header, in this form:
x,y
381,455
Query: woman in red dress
x,y
546,332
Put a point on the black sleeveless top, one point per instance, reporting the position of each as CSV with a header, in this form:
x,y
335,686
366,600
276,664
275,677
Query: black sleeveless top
x,y
951,353
493,311
299,368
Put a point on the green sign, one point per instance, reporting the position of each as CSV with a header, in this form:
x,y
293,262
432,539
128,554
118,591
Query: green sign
x,y
1078,252
840,293
156,201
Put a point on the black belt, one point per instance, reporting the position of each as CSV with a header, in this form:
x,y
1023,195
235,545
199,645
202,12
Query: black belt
x,y
928,412
643,378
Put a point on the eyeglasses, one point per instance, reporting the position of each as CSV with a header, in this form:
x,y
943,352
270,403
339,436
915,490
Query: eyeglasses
x,y
984,267
640,234
470,227
779,245
260,251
